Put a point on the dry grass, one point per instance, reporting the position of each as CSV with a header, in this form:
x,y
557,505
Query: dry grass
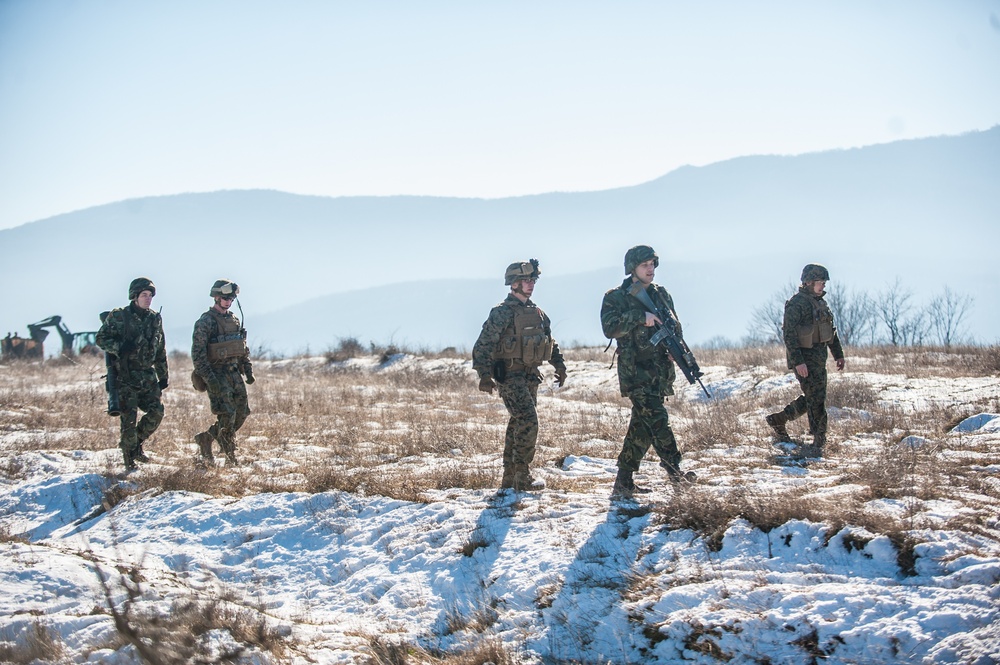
x,y
378,424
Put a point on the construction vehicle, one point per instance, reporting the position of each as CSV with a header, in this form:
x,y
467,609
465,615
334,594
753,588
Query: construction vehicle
x,y
72,343
15,346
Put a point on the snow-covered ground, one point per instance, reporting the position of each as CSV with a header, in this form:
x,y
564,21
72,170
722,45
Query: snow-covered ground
x,y
561,575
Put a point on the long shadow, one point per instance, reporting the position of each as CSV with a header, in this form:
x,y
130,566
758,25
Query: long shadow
x,y
593,587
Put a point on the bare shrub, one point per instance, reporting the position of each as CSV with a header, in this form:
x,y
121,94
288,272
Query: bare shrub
x,y
850,392
38,645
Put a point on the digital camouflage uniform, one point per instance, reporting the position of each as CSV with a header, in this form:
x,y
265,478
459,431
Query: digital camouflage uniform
x,y
645,375
808,333
518,380
134,338
221,359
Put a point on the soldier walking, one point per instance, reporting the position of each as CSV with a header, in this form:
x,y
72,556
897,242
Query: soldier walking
x,y
808,332
645,372
133,338
516,339
221,361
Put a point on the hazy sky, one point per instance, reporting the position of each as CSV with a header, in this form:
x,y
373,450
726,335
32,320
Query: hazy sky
x,y
104,100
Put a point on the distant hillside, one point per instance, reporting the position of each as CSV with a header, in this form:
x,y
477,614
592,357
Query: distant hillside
x,y
730,234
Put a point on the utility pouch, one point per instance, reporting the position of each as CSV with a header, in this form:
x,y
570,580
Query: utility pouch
x,y
806,334
228,349
198,382
500,371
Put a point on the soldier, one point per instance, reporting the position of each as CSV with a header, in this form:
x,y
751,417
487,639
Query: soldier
x,y
809,331
133,337
221,361
645,372
516,339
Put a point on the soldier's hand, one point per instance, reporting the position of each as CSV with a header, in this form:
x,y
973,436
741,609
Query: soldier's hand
x,y
248,373
652,320
560,376
126,348
802,370
486,384
840,364
213,385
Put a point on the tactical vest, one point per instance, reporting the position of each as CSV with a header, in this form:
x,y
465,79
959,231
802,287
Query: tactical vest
x,y
820,329
525,340
228,344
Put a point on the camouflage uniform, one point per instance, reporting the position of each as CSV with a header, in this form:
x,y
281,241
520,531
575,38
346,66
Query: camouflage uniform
x,y
517,383
806,314
645,375
134,338
224,379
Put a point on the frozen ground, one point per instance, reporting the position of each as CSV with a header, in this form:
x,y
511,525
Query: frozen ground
x,y
557,576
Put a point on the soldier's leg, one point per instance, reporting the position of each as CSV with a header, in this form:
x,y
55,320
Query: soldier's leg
x,y
814,388
664,442
638,437
522,429
128,439
797,407
149,401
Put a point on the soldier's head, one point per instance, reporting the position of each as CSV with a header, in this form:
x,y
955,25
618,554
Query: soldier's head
x,y
638,256
141,291
520,276
224,292
815,277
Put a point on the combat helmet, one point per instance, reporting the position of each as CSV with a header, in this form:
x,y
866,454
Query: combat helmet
x,y
224,288
521,270
639,254
814,272
140,284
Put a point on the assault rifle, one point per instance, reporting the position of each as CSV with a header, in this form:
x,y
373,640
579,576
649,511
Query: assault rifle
x,y
670,336
111,379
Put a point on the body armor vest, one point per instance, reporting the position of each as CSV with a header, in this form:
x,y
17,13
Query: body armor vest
x,y
228,343
820,330
526,339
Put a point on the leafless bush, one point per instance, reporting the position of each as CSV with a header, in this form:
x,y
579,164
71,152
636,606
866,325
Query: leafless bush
x,y
38,645
488,650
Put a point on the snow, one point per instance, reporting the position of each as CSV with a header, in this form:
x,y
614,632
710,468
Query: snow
x,y
560,575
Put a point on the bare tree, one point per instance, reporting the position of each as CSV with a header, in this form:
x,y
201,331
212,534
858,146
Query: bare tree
x,y
893,307
853,313
767,319
947,312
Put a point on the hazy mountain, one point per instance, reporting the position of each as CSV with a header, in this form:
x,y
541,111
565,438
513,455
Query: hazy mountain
x,y
424,270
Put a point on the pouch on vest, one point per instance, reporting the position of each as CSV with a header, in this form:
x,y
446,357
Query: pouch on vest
x,y
198,382
525,340
230,349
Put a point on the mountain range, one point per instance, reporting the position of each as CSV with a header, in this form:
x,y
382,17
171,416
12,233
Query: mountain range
x,y
424,271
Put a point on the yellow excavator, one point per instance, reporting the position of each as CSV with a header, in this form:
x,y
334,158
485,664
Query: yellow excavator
x,y
34,347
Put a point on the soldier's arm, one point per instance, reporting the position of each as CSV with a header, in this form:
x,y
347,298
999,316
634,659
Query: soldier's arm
x,y
790,329
617,318
199,350
482,352
160,361
109,336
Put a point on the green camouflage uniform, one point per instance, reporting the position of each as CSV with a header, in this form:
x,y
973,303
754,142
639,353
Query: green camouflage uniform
x,y
226,390
519,387
805,311
134,337
645,375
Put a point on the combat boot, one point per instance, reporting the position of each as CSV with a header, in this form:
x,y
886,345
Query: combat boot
x,y
777,422
130,464
507,481
677,476
524,481
204,441
624,486
139,456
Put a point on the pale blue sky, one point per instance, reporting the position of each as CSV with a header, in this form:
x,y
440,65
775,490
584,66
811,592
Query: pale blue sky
x,y
106,100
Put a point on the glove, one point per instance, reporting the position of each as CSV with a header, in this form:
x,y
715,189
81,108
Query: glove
x,y
126,348
213,385
560,376
486,384
248,373
163,383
